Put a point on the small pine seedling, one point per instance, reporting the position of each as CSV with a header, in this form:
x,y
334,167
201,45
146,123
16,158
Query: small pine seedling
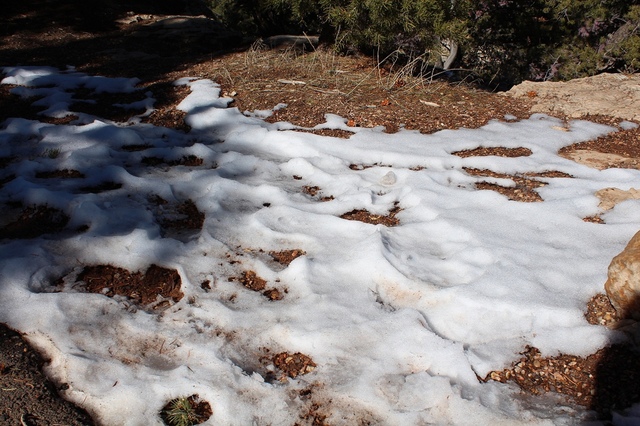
x,y
51,153
181,413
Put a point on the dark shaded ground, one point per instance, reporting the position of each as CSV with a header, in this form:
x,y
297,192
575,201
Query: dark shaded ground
x,y
27,396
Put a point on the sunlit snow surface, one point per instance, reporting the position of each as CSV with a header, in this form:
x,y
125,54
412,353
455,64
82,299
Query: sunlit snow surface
x,y
400,321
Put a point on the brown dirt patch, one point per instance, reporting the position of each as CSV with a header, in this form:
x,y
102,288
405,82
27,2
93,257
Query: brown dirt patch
x,y
102,187
29,398
334,133
168,94
253,282
294,365
60,174
367,217
188,160
135,147
152,288
177,218
366,166
285,257
316,191
194,409
111,106
194,218
495,151
600,311
356,89
170,118
523,191
594,219
518,193
604,381
273,294
548,174
34,221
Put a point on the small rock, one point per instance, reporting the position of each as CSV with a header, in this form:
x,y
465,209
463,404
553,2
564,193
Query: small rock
x,y
389,179
623,283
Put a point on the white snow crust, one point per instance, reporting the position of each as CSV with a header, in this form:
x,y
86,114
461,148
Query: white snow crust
x,y
400,321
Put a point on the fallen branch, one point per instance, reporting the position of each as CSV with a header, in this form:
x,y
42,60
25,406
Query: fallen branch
x,y
295,82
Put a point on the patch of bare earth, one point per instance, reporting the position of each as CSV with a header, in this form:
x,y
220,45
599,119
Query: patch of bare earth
x,y
176,219
28,397
253,282
156,288
32,221
366,166
365,216
604,381
60,174
294,365
315,191
366,95
525,186
523,190
497,151
102,187
600,311
112,106
285,257
135,147
187,160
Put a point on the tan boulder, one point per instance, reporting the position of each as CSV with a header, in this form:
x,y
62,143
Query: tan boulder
x,y
623,282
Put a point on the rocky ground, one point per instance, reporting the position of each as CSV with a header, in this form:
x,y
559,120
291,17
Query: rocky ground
x,y
159,42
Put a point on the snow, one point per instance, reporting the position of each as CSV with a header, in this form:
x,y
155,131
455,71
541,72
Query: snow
x,y
400,321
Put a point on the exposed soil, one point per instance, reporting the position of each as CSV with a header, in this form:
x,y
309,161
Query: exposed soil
x,y
294,365
102,187
316,191
176,218
365,216
130,39
600,311
253,282
285,257
189,160
32,221
497,151
250,280
155,288
27,396
604,381
60,174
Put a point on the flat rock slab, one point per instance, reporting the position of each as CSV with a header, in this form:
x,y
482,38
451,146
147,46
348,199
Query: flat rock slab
x,y
609,197
602,160
616,95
